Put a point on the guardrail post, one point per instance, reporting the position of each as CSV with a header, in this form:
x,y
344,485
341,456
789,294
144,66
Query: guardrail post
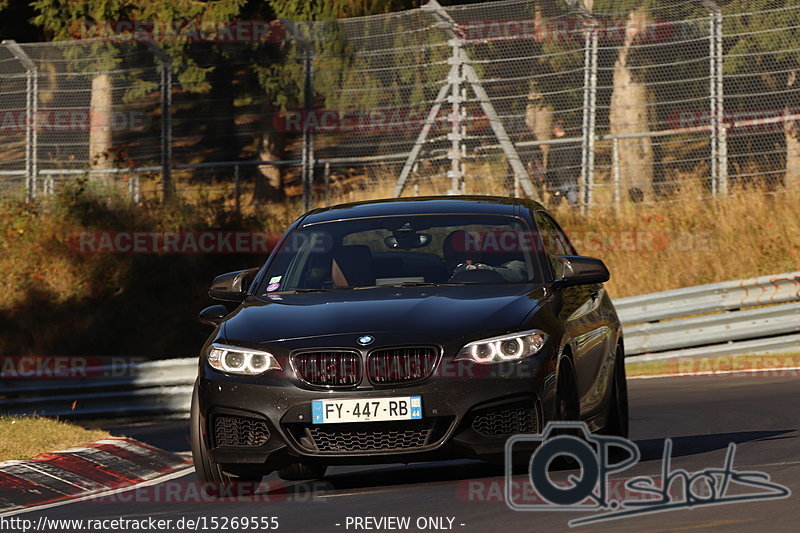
x,y
31,115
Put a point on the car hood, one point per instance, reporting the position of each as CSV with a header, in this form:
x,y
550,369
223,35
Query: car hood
x,y
483,310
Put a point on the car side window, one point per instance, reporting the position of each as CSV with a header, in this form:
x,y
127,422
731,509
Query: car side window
x,y
547,233
555,240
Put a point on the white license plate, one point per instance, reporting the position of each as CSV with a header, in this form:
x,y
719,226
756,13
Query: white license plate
x,y
377,410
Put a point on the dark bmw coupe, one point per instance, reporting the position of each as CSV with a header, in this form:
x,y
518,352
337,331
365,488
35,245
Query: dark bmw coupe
x,y
404,330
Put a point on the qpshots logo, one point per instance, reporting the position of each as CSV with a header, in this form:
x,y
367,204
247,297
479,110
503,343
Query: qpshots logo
x,y
590,490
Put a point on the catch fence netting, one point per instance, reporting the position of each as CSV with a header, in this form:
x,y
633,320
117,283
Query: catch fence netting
x,y
602,102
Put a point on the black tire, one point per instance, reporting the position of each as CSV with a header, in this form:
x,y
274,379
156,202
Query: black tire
x,y
302,472
567,405
214,481
618,419
567,410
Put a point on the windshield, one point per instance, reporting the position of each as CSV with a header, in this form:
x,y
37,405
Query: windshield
x,y
404,250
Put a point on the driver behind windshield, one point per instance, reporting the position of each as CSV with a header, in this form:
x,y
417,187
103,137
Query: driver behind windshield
x,y
461,260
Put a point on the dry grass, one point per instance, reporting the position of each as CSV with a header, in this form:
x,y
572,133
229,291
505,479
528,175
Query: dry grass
x,y
24,438
66,297
704,365
693,242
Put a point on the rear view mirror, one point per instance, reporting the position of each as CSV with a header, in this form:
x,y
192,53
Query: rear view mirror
x,y
232,287
580,270
406,240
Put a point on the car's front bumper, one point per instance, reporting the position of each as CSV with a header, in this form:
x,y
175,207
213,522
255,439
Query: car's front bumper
x,y
467,414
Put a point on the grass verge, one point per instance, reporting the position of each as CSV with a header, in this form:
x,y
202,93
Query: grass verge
x,y
710,365
24,438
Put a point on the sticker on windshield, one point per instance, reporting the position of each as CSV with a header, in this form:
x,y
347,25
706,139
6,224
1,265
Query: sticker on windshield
x,y
275,279
273,287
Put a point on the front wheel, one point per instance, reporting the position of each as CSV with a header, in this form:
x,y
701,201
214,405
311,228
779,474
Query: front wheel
x,y
214,481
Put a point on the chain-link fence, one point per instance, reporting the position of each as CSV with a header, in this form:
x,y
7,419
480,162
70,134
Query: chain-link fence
x,y
598,102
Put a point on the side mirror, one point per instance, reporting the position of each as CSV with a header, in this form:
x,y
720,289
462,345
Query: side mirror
x,y
213,316
232,287
580,270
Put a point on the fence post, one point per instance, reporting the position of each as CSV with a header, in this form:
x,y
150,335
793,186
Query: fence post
x,y
166,115
719,173
456,173
592,120
308,105
615,172
712,69
723,160
722,141
589,116
470,77
31,115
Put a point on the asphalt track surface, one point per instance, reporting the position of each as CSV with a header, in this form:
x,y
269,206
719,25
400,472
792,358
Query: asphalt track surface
x,y
758,412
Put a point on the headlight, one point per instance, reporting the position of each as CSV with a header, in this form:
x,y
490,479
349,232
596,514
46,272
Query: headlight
x,y
510,347
238,360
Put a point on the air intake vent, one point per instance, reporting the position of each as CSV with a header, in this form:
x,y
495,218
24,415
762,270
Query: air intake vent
x,y
504,421
240,431
389,366
370,437
328,369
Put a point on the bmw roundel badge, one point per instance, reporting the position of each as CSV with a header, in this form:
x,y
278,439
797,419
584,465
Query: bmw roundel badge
x,y
366,339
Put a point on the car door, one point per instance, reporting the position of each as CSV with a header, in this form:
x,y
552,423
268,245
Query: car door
x,y
589,331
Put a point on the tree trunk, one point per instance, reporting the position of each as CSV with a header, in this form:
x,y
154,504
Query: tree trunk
x,y
630,114
100,121
791,179
269,178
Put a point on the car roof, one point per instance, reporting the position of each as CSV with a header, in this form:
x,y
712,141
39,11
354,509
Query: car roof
x,y
494,205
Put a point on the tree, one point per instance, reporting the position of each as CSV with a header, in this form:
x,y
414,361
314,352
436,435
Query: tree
x,y
653,45
71,20
763,59
282,78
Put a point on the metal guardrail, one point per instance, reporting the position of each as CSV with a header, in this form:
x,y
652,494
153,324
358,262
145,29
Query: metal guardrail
x,y
752,316
122,392
757,315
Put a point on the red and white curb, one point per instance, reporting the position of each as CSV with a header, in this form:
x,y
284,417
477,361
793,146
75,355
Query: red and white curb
x,y
104,465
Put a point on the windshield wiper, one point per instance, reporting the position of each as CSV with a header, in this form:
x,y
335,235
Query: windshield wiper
x,y
304,290
420,284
